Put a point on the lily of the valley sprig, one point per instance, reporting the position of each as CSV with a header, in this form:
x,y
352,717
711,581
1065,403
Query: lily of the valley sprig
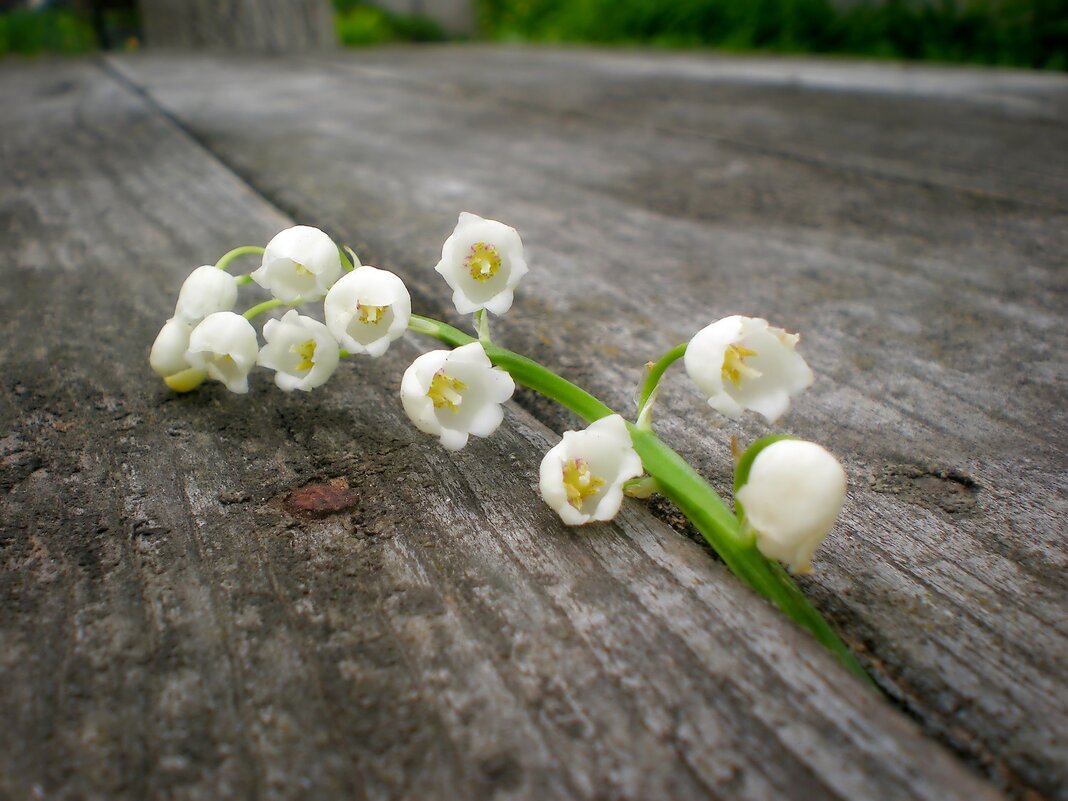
x,y
788,493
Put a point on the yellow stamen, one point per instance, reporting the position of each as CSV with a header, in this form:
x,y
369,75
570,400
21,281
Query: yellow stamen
x,y
303,271
370,315
734,366
484,261
579,483
306,352
445,391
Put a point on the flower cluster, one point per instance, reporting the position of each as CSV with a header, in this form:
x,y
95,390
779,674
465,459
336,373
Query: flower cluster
x,y
366,309
791,491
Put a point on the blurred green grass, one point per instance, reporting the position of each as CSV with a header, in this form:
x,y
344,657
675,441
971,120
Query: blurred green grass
x,y
29,33
1024,33
359,23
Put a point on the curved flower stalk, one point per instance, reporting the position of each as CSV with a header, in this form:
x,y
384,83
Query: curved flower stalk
x,y
789,497
367,310
742,363
300,264
482,261
224,346
788,493
453,394
300,350
677,481
582,477
207,290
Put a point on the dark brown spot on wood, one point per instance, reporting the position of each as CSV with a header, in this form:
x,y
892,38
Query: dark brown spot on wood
x,y
931,487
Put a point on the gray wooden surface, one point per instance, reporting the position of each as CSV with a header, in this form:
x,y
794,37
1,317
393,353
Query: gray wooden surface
x,y
175,623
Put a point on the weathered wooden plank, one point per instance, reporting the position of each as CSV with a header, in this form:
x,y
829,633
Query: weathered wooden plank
x,y
933,314
170,626
998,133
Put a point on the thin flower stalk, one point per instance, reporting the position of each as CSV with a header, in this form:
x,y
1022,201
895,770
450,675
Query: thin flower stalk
x,y
677,481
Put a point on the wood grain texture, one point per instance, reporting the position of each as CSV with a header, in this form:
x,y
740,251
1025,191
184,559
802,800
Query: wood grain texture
x,y
173,625
928,280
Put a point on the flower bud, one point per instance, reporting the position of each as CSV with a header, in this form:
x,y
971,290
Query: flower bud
x,y
168,351
168,360
791,500
207,290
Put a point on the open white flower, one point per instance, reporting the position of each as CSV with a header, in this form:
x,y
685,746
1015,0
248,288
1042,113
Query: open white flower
x,y
452,394
367,309
301,350
224,345
207,290
168,360
582,477
482,261
743,363
300,263
793,496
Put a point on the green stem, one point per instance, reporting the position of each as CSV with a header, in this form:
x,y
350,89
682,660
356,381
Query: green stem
x,y
345,262
244,250
482,324
653,376
526,371
677,481
260,308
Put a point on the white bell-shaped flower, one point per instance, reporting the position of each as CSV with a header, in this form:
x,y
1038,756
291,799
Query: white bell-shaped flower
x,y
482,261
743,363
452,394
224,345
791,499
300,263
300,350
367,309
207,290
168,360
582,477
168,351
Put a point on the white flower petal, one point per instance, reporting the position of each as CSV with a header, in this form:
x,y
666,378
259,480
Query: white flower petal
x,y
791,500
597,462
486,420
207,290
452,439
471,353
482,261
300,263
742,363
168,351
452,394
224,345
368,309
501,302
300,350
